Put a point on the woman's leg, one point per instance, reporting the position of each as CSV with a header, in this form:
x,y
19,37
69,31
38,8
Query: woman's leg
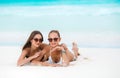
x,y
75,50
69,54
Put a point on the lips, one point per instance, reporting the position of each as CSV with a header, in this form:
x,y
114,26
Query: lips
x,y
37,44
53,44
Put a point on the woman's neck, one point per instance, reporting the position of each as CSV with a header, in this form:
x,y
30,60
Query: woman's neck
x,y
33,48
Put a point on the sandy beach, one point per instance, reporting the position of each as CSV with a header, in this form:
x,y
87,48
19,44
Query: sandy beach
x,y
93,63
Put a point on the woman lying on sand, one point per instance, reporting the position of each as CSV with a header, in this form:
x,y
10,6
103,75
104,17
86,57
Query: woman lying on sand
x,y
59,54
33,50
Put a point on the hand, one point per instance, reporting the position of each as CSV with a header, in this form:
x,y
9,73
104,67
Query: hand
x,y
36,55
64,46
58,48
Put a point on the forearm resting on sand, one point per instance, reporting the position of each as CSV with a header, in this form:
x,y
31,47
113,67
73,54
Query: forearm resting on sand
x,y
21,62
65,60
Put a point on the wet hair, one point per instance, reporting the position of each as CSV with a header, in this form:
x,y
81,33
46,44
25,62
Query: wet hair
x,y
55,31
28,43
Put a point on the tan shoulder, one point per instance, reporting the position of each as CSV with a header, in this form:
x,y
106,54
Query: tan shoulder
x,y
26,50
43,45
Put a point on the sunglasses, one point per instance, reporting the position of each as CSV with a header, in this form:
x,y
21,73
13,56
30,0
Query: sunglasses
x,y
36,40
52,39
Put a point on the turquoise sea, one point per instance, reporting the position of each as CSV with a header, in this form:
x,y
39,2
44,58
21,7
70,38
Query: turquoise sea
x,y
91,23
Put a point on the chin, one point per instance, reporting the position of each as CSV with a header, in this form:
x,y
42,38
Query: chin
x,y
37,45
53,46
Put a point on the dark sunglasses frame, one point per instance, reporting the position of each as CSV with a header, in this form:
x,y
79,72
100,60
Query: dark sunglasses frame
x,y
52,39
36,40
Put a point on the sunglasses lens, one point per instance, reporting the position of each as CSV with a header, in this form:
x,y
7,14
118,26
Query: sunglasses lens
x,y
40,40
55,39
51,39
36,40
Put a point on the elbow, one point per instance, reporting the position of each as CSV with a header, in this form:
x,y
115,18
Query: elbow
x,y
19,64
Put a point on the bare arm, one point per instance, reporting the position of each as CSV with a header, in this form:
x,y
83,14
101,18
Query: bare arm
x,y
45,53
69,54
65,59
23,60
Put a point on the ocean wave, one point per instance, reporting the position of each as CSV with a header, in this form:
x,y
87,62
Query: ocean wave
x,y
60,10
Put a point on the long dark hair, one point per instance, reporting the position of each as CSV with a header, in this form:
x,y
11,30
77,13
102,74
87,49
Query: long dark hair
x,y
28,43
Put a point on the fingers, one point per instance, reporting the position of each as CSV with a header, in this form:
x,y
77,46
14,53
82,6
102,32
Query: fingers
x,y
36,54
64,46
58,48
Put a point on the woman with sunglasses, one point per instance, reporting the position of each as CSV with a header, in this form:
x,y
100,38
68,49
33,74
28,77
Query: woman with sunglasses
x,y
59,54
34,50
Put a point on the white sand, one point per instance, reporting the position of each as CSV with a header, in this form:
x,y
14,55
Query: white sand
x,y
101,63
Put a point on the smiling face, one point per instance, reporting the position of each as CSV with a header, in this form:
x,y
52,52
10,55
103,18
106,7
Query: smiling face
x,y
36,41
53,39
